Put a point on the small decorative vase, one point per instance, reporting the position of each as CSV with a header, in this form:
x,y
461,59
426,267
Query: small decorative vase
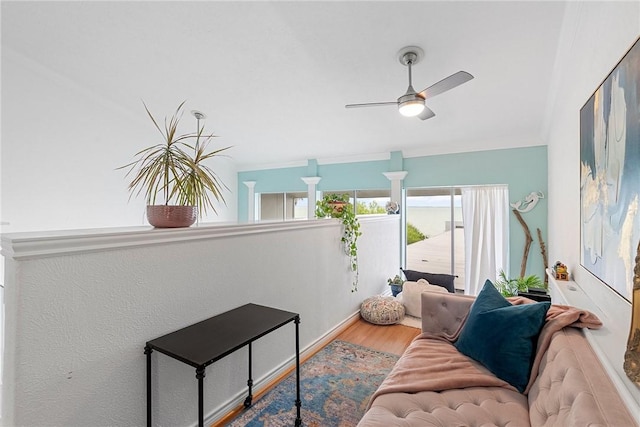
x,y
396,289
169,216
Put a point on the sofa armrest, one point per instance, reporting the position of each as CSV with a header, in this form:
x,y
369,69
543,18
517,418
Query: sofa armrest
x,y
444,313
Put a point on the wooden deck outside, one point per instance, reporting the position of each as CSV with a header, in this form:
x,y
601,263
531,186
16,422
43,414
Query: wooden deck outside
x,y
433,255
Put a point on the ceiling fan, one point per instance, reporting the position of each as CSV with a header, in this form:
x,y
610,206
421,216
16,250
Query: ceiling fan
x,y
412,103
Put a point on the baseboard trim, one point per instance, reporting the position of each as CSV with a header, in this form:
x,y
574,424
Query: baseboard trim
x,y
228,410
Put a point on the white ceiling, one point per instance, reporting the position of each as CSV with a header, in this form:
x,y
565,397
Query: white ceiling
x,y
273,77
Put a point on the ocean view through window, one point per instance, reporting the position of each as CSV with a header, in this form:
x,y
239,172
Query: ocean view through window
x,y
435,234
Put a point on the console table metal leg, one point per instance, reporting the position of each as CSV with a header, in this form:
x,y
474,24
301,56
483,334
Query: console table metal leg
x,y
147,351
200,377
249,399
298,401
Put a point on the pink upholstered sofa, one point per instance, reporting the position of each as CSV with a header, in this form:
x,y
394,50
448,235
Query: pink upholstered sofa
x,y
568,386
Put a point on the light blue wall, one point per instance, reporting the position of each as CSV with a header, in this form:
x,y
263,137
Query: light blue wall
x,y
275,180
354,176
523,169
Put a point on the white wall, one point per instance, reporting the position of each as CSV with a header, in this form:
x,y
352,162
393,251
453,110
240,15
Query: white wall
x,y
596,35
77,322
61,144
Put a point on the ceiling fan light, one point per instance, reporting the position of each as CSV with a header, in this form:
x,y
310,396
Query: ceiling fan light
x,y
411,108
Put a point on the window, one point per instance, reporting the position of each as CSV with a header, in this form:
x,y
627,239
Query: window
x,y
294,205
371,202
283,206
435,235
368,202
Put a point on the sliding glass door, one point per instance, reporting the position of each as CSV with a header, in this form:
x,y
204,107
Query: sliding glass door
x,y
435,235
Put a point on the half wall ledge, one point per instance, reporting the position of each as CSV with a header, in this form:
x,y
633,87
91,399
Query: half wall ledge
x,y
40,244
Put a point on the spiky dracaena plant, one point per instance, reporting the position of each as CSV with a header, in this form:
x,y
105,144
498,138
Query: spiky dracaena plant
x,y
175,168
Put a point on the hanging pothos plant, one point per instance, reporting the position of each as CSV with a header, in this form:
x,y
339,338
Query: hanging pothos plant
x,y
338,206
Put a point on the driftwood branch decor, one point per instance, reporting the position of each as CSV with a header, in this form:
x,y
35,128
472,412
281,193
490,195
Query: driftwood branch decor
x,y
527,243
529,202
543,251
526,205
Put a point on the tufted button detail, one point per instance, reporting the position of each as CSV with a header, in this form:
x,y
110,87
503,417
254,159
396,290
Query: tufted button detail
x,y
475,406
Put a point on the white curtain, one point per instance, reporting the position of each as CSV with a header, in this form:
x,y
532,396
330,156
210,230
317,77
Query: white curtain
x,y
485,213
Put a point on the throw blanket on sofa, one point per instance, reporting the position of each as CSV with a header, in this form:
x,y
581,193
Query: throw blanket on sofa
x,y
432,363
558,317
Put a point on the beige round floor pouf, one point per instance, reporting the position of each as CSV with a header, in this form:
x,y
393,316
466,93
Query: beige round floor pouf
x,y
381,310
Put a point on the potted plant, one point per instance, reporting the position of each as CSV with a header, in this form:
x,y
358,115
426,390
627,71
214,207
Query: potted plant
x,y
174,171
396,284
511,287
337,206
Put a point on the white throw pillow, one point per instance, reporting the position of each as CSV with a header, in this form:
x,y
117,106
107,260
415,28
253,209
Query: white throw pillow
x,y
411,292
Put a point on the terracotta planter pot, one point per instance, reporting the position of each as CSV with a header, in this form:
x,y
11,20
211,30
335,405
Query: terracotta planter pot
x,y
167,216
337,207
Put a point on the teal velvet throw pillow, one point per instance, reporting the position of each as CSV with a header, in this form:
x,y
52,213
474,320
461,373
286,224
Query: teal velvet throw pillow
x,y
501,336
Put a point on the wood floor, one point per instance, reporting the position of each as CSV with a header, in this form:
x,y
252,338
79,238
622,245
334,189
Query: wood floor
x,y
391,338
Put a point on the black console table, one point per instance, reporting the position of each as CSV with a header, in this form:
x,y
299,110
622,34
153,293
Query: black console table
x,y
203,343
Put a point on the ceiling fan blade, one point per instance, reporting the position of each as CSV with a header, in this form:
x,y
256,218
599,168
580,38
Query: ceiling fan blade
x,y
426,113
446,84
371,104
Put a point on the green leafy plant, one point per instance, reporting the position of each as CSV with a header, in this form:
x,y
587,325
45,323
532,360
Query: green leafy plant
x,y
337,206
397,280
367,209
174,169
413,234
511,287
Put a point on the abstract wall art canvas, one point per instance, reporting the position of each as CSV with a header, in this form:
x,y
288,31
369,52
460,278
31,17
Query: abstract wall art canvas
x,y
610,175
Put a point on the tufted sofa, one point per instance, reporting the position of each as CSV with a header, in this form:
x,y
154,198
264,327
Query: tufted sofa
x,y
571,387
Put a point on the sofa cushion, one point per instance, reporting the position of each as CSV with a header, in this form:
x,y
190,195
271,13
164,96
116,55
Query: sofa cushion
x,y
411,292
473,406
444,280
573,388
443,314
502,336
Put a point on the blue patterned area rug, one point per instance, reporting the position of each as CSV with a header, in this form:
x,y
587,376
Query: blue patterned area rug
x,y
335,386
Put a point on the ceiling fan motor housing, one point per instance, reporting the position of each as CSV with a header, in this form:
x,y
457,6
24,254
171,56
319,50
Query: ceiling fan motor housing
x,y
410,104
409,97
